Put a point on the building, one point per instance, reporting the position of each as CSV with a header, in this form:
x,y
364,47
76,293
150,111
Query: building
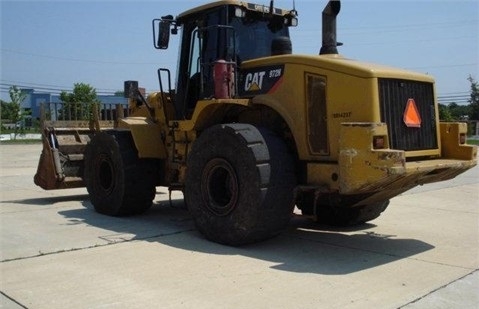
x,y
34,100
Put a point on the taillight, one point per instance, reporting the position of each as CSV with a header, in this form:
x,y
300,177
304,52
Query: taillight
x,y
462,138
379,142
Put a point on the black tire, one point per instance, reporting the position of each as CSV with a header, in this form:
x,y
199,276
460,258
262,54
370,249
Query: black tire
x,y
119,184
240,184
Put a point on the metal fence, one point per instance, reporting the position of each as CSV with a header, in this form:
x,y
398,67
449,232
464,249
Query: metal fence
x,y
81,111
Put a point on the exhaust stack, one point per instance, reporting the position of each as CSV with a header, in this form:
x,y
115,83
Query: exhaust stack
x,y
330,43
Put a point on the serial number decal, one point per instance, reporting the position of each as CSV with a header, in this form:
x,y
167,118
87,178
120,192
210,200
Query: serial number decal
x,y
342,115
275,73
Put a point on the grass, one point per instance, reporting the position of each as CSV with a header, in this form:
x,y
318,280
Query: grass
x,y
473,142
20,131
21,141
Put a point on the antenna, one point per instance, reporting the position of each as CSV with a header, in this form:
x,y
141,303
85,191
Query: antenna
x,y
271,7
293,11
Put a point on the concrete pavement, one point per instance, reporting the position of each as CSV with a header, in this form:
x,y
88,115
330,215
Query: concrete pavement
x,y
56,252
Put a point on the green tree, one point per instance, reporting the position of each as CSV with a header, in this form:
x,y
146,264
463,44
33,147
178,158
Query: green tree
x,y
16,115
474,99
6,110
78,105
444,113
458,112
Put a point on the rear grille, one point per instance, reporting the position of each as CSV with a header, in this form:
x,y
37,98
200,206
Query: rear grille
x,y
394,95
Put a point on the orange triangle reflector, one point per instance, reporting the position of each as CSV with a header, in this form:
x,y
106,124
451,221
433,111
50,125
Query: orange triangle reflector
x,y
411,118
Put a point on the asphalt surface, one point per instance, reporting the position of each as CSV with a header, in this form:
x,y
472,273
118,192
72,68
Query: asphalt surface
x,y
56,252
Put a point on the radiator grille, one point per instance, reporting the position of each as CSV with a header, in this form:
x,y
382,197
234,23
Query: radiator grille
x,y
394,95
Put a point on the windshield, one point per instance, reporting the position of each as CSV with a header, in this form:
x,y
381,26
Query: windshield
x,y
254,37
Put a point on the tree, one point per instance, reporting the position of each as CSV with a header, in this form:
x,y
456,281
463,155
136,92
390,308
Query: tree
x,y
444,113
78,105
458,112
6,110
474,99
15,113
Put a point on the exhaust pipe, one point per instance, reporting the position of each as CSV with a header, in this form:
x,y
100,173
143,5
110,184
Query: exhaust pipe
x,y
330,43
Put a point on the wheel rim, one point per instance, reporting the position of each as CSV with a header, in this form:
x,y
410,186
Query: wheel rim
x,y
105,174
219,187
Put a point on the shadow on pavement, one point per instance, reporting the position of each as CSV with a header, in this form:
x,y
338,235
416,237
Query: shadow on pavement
x,y
305,247
48,201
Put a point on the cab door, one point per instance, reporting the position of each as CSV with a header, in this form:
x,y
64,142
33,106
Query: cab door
x,y
201,45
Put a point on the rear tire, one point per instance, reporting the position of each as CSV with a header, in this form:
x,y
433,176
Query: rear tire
x,y
240,184
118,183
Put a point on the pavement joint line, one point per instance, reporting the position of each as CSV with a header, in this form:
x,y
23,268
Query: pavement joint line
x,y
94,246
30,210
384,253
437,289
13,300
432,190
442,264
442,209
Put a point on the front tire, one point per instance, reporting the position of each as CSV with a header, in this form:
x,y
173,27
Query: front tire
x,y
240,184
118,182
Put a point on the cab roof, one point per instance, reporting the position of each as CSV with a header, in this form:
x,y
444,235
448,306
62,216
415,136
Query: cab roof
x,y
246,5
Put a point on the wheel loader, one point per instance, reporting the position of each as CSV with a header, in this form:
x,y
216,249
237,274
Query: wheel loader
x,y
250,130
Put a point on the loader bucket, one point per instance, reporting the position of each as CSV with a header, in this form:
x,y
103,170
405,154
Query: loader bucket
x,y
61,161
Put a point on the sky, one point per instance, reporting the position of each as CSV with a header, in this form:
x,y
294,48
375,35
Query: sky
x,y
50,45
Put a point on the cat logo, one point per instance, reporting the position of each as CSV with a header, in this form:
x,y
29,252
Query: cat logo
x,y
254,81
260,80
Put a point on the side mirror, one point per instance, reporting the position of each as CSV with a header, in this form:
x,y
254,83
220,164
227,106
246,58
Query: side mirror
x,y
161,33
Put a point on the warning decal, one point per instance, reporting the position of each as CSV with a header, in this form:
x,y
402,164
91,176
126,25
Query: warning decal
x,y
412,118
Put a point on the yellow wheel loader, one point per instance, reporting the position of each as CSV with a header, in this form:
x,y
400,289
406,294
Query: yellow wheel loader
x,y
250,130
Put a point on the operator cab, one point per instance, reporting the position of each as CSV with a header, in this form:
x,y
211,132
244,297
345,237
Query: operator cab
x,y
226,33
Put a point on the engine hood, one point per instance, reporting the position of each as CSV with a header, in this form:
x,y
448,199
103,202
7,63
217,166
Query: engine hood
x,y
338,63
